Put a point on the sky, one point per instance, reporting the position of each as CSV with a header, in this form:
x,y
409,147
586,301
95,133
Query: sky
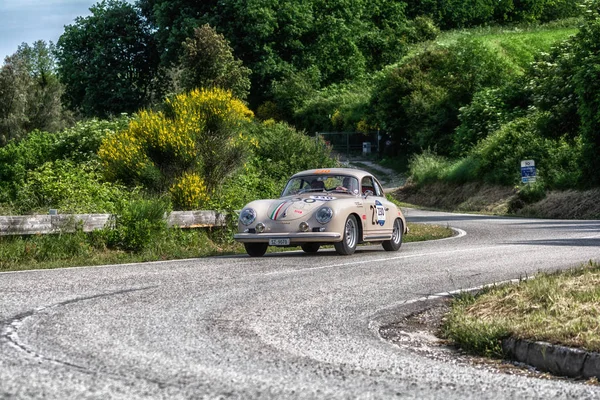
x,y
31,20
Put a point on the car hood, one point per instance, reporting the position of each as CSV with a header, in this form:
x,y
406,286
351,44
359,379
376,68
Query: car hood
x,y
297,207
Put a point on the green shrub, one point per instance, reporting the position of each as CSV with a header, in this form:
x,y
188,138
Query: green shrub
x,y
427,168
349,102
197,133
277,151
422,28
587,86
70,188
500,154
78,144
419,100
138,223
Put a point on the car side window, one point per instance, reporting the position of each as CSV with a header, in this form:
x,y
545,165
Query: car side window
x,y
367,185
378,189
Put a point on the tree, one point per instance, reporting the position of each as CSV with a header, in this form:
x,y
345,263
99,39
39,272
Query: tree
x,y
108,61
587,87
208,61
337,40
30,92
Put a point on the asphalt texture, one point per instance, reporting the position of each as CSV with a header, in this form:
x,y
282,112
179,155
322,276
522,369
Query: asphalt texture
x,y
288,325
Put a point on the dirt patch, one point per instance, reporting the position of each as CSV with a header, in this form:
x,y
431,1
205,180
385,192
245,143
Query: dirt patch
x,y
493,199
420,333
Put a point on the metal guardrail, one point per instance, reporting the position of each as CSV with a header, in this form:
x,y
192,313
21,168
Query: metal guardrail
x,y
47,224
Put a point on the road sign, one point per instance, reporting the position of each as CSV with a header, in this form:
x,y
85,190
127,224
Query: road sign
x,y
528,171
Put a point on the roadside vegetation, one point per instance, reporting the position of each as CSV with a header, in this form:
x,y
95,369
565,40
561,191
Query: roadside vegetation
x,y
559,308
140,235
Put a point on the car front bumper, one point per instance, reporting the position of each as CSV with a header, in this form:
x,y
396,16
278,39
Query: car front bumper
x,y
295,238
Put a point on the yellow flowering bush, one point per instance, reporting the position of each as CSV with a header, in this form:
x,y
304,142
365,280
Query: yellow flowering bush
x,y
200,132
189,192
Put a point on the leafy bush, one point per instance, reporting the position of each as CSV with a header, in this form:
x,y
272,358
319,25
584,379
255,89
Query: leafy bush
x,y
78,144
189,192
499,155
349,102
138,223
587,87
196,133
428,167
277,151
69,187
487,112
419,100
422,28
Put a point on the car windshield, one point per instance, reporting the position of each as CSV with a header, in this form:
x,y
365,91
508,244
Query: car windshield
x,y
321,183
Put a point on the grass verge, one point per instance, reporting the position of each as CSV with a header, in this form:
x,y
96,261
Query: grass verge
x,y
559,308
18,253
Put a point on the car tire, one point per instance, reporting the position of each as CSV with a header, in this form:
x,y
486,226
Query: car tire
x,y
396,241
349,238
310,247
256,249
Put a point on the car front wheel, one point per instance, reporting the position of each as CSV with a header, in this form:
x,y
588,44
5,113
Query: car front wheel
x,y
256,249
396,241
349,239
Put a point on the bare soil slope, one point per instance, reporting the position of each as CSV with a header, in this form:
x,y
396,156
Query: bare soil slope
x,y
501,200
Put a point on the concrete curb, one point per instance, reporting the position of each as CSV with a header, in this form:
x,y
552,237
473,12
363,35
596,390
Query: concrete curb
x,y
558,360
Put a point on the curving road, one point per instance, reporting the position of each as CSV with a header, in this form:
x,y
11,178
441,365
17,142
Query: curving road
x,y
288,325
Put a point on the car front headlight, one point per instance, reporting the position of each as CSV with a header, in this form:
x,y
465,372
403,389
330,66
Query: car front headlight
x,y
247,216
324,215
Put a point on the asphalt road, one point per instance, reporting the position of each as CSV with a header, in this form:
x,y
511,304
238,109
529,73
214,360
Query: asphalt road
x,y
287,325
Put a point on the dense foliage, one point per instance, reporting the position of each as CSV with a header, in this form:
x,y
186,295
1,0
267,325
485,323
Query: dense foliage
x,y
189,147
30,93
207,61
59,170
450,14
108,61
418,101
339,40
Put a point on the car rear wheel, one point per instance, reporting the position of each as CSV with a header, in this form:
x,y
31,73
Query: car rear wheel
x,y
256,249
396,241
349,239
310,247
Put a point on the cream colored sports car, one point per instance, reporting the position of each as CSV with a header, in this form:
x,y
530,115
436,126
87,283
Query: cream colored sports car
x,y
339,206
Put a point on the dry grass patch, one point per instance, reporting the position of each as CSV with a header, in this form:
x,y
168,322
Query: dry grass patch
x,y
560,308
422,232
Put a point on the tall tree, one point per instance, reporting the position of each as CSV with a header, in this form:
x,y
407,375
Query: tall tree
x,y
30,92
208,61
108,61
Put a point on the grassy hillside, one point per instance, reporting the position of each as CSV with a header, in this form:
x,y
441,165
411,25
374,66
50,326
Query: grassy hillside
x,y
518,45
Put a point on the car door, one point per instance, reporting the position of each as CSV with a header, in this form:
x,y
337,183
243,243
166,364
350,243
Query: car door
x,y
380,218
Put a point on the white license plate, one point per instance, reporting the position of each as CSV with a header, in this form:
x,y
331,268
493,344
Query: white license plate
x,y
279,242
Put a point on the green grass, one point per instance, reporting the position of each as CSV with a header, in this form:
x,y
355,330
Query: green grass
x,y
560,308
18,253
518,45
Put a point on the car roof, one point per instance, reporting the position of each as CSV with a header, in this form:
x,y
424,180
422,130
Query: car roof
x,y
358,173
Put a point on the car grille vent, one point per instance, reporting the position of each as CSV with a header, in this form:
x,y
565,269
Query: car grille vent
x,y
251,230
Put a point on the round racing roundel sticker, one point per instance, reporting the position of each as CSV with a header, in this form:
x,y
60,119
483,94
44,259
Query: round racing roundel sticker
x,y
380,210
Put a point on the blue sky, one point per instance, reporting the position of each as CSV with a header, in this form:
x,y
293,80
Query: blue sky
x,y
31,20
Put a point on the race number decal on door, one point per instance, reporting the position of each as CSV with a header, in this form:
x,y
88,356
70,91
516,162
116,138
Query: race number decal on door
x,y
380,212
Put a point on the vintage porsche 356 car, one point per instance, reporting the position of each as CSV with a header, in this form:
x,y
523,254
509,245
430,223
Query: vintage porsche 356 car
x,y
339,206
